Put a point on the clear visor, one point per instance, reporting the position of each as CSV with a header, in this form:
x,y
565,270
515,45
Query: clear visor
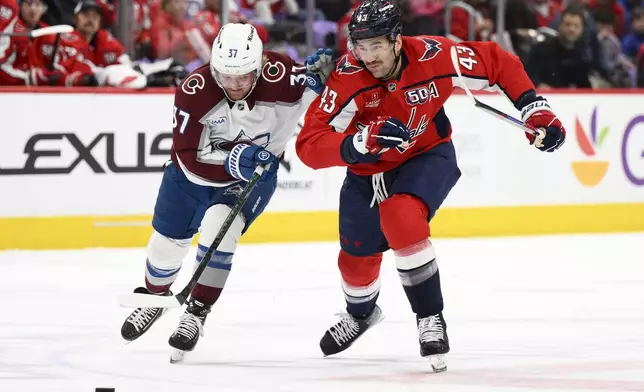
x,y
236,82
370,51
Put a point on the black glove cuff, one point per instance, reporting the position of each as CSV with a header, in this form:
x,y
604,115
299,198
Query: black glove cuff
x,y
346,149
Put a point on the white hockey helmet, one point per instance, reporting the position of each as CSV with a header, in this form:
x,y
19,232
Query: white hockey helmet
x,y
237,51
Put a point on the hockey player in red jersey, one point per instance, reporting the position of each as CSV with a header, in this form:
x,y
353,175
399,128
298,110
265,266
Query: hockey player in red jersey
x,y
381,115
230,115
8,19
29,62
97,45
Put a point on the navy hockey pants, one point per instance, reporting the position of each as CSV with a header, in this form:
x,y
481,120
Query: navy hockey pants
x,y
430,176
181,204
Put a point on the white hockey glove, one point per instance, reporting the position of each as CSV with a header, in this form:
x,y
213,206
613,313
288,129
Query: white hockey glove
x,y
318,69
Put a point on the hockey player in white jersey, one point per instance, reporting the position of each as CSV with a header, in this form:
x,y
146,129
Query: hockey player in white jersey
x,y
226,115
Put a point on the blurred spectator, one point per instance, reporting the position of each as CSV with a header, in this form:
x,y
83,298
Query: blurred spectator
x,y
460,21
45,60
94,43
168,33
205,27
544,11
145,11
620,70
612,6
8,19
16,68
266,10
561,61
632,41
589,40
521,24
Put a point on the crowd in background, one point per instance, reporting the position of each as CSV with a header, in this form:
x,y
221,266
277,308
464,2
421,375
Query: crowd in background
x,y
574,43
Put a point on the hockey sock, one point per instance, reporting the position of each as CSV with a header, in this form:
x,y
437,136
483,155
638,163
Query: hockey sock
x,y
164,261
403,219
360,282
213,279
420,278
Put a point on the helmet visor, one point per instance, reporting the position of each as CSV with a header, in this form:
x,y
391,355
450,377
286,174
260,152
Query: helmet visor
x,y
235,82
367,50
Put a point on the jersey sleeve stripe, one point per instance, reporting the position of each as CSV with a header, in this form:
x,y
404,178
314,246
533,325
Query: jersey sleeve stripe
x,y
350,99
475,83
344,117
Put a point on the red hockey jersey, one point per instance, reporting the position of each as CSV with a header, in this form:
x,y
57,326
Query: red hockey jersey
x,y
20,58
352,98
29,61
8,19
102,50
206,124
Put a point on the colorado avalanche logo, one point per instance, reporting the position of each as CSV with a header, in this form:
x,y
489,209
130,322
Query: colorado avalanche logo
x,y
432,47
274,72
345,67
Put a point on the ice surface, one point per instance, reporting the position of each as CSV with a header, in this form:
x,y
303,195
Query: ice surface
x,y
562,313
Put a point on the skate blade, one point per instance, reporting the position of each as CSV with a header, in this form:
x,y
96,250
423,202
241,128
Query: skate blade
x,y
438,363
176,355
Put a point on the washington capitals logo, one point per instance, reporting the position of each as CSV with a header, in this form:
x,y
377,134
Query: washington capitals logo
x,y
345,66
432,47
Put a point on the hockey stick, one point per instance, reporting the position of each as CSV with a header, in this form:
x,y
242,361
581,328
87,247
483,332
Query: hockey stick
x,y
489,109
157,301
54,52
49,30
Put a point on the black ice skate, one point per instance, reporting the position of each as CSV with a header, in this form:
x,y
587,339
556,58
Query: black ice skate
x,y
190,328
342,335
141,319
432,336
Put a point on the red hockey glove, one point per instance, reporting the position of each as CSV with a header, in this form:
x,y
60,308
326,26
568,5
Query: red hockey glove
x,y
380,135
538,116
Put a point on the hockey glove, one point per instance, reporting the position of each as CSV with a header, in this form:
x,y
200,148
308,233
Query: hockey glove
x,y
318,69
244,159
377,137
538,116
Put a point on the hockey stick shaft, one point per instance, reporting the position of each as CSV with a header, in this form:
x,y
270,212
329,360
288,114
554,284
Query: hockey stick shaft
x,y
54,52
487,108
155,301
49,30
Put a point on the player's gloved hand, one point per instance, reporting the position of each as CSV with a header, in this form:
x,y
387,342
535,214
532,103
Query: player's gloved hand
x,y
319,66
380,135
538,116
244,159
45,77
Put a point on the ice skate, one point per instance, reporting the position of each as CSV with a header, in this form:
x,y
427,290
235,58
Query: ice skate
x,y
139,321
342,335
434,343
190,328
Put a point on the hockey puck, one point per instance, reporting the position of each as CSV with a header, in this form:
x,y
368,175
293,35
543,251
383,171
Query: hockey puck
x,y
105,390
